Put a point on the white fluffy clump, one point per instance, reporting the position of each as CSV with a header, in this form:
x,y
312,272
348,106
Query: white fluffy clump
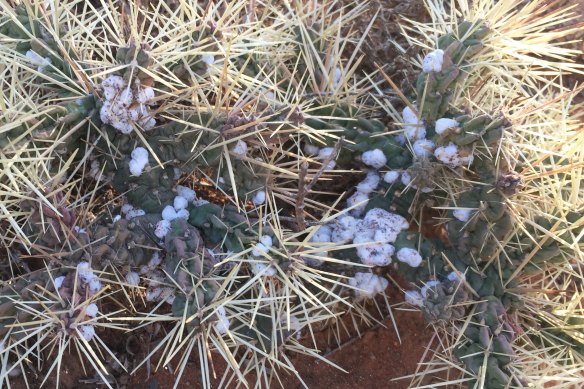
x,y
59,282
154,261
413,297
222,324
391,176
386,225
374,234
40,62
94,286
428,285
145,95
124,106
84,272
423,148
445,124
79,230
169,213
160,294
414,132
263,246
358,201
370,183
453,276
180,203
133,278
311,149
162,228
94,170
169,295
187,193
409,116
259,198
240,148
463,214
209,59
155,277
269,95
87,331
410,256
292,325
200,202
139,161
373,253
324,153
344,229
358,198
413,127
322,235
135,213
140,154
433,61
367,285
91,310
130,212
176,211
449,155
153,294
374,158
265,269
112,86
337,75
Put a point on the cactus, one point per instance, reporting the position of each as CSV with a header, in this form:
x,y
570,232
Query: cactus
x,y
184,150
190,305
67,306
253,103
222,225
49,55
482,221
430,250
185,256
197,65
489,339
138,59
360,135
124,243
54,229
436,84
445,301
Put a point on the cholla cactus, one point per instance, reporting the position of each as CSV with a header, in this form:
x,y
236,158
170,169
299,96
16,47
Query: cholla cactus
x,y
57,312
489,339
444,68
441,301
264,106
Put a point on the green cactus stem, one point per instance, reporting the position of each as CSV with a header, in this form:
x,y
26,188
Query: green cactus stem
x,y
437,88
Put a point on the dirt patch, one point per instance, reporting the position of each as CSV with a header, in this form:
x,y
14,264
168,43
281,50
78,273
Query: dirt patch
x,y
374,359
